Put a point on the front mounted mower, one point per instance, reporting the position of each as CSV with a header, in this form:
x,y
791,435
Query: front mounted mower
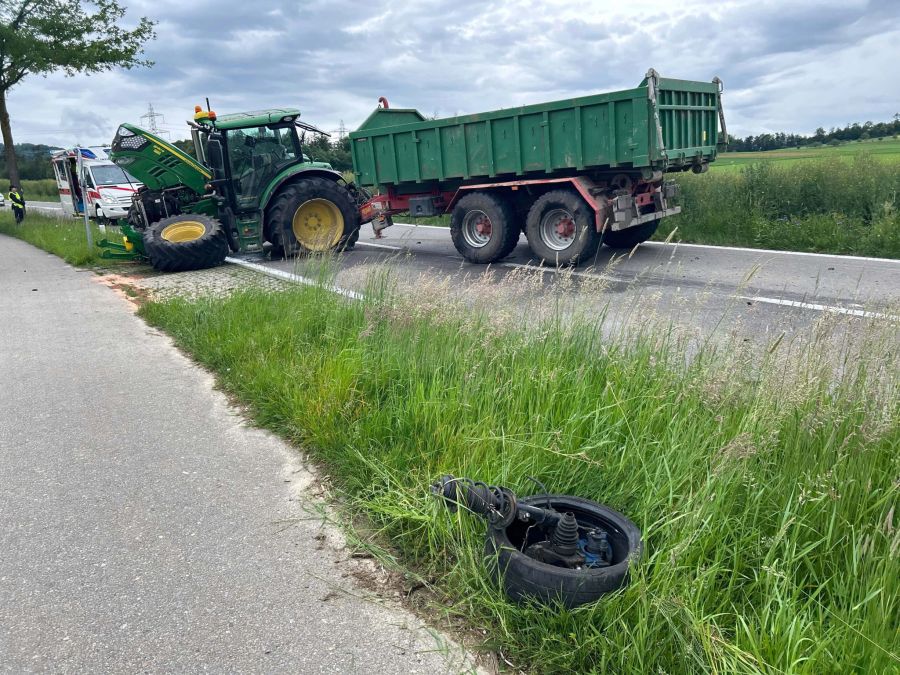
x,y
550,548
248,188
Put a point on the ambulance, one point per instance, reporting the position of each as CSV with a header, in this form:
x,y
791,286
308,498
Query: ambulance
x,y
94,183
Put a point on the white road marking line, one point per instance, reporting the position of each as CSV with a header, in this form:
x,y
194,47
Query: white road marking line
x,y
427,227
293,278
658,244
390,248
554,270
821,308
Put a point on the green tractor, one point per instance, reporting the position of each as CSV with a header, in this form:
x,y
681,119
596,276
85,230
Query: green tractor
x,y
249,188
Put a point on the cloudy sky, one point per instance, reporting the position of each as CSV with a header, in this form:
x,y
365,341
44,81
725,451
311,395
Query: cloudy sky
x,y
787,65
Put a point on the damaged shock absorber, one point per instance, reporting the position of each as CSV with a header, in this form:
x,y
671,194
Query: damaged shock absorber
x,y
567,543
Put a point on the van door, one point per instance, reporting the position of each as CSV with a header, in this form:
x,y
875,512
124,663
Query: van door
x,y
91,194
64,187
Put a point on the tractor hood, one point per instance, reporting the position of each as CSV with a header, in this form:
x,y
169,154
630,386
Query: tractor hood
x,y
157,164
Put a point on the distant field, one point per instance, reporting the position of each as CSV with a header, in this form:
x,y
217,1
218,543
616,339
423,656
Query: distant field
x,y
887,149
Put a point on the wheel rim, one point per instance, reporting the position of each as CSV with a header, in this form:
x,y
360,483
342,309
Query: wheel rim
x,y
182,231
318,224
477,228
558,229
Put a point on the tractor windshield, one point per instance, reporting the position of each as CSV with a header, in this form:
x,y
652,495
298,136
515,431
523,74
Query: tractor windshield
x,y
256,155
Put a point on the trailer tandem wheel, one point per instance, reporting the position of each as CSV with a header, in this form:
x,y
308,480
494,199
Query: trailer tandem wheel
x,y
483,227
560,228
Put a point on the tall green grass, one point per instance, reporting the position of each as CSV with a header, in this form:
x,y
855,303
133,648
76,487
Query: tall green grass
x,y
63,237
827,205
765,485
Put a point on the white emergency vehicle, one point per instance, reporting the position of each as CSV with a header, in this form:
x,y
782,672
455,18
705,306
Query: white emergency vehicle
x,y
94,183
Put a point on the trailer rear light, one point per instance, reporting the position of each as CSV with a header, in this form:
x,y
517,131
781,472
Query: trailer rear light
x,y
623,202
670,189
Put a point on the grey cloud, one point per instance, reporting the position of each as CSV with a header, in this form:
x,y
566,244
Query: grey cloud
x,y
334,58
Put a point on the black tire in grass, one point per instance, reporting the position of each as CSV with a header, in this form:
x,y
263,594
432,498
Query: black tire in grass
x,y
525,578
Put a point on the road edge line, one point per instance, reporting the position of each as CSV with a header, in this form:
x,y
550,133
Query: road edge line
x,y
293,278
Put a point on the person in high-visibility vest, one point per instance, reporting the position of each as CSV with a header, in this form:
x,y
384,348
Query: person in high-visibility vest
x,y
18,203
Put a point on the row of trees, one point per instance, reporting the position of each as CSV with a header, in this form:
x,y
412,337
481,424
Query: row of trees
x,y
315,146
33,161
323,149
851,132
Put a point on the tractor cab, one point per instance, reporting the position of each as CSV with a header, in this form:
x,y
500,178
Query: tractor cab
x,y
249,150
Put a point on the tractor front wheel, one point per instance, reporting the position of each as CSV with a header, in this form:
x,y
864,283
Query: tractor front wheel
x,y
188,241
313,215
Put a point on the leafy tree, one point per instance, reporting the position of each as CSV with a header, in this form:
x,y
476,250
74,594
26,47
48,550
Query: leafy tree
x,y
38,37
187,145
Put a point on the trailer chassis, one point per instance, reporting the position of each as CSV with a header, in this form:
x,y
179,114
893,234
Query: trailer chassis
x,y
615,207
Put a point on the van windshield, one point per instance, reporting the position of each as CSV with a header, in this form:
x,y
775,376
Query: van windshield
x,y
111,175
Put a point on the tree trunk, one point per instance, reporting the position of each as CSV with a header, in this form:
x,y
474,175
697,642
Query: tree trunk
x,y
12,165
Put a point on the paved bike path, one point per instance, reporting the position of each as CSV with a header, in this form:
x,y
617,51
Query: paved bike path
x,y
143,526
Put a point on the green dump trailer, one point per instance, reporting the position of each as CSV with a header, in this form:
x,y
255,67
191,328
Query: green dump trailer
x,y
571,174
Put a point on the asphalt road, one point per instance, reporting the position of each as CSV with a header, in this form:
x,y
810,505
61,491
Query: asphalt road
x,y
47,208
751,294
144,527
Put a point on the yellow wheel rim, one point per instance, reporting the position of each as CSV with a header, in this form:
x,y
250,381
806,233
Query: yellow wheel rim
x,y
318,224
184,230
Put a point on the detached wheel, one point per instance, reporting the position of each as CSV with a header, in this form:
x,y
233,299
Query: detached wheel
x,y
560,229
483,227
632,236
525,578
313,215
185,242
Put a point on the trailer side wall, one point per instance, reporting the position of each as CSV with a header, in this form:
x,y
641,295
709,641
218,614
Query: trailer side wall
x,y
600,132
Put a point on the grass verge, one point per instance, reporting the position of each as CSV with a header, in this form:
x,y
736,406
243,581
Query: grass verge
x,y
766,491
831,205
64,238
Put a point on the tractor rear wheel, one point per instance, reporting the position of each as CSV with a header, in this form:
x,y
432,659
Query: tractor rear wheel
x,y
188,241
312,215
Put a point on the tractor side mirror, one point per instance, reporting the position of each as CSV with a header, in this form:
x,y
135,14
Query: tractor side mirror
x,y
215,155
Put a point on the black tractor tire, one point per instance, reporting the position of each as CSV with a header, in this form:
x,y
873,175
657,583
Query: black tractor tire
x,y
581,245
206,250
632,236
504,230
283,207
524,578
